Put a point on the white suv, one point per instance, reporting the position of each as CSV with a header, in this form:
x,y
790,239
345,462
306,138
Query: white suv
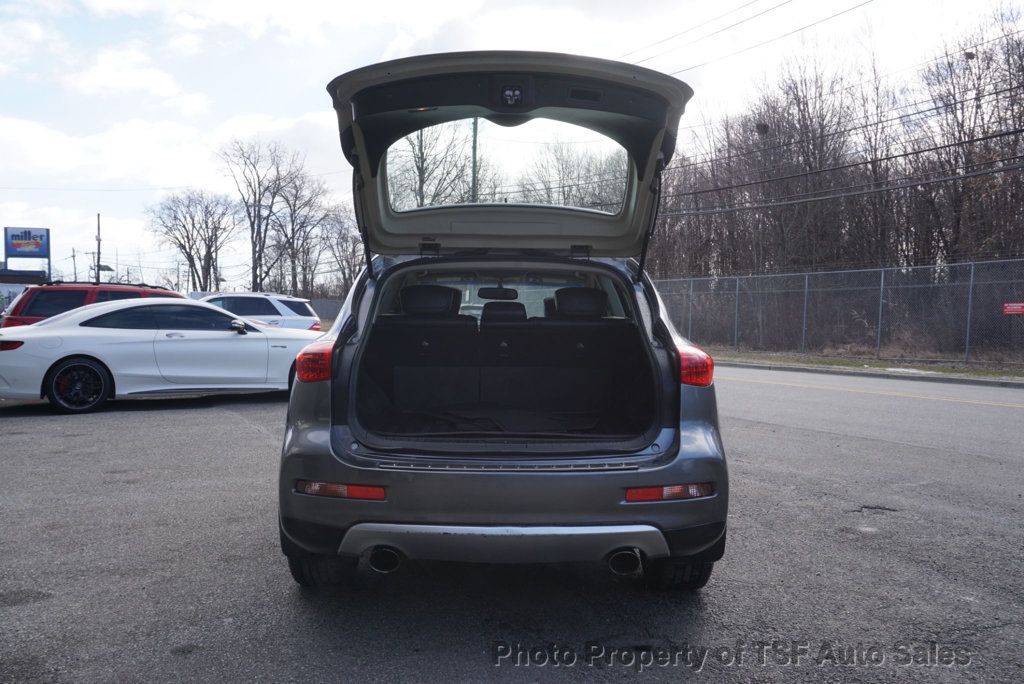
x,y
277,310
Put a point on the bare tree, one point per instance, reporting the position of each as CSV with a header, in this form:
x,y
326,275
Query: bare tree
x,y
429,167
260,172
566,175
345,246
297,225
198,224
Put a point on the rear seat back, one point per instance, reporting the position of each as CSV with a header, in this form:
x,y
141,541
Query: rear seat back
x,y
505,334
428,349
581,333
430,329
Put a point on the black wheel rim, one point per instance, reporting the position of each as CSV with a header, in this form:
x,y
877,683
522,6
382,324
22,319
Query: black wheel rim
x,y
78,387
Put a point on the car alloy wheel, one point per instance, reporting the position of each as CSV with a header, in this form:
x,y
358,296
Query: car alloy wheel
x,y
78,387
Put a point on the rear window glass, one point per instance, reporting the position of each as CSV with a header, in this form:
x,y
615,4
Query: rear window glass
x,y
114,295
539,162
531,289
300,308
48,303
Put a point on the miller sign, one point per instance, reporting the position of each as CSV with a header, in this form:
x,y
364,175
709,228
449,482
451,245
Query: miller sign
x,y
27,243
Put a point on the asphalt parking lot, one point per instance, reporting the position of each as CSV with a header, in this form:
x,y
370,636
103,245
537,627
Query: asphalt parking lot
x,y
141,543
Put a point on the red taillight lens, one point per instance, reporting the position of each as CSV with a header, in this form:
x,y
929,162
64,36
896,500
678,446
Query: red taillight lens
x,y
313,363
8,346
696,367
694,490
315,326
340,491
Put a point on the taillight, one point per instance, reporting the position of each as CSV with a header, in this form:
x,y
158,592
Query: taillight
x,y
313,363
315,326
340,491
9,345
696,367
695,490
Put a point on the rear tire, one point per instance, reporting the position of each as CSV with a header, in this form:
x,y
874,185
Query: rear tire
x,y
669,575
78,385
320,571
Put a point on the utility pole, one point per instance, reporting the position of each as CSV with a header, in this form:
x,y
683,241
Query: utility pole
x,y
74,263
473,193
97,248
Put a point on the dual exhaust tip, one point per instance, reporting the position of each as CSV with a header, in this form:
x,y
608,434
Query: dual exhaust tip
x,y
623,562
383,560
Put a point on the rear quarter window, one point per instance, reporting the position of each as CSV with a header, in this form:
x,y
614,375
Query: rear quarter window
x,y
46,303
300,308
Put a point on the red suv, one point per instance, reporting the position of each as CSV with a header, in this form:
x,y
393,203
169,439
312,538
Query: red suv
x,y
38,302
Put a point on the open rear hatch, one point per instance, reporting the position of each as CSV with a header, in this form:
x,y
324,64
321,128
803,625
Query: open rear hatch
x,y
636,108
439,359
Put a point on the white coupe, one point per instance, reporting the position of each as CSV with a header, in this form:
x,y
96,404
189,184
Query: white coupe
x,y
144,347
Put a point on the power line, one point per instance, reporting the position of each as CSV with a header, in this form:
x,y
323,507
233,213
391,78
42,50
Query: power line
x,y
891,157
772,40
889,74
900,186
692,28
831,134
715,33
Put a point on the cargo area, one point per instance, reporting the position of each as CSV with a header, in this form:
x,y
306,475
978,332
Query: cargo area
x,y
547,356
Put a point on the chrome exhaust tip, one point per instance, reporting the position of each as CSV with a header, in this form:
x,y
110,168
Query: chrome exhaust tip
x,y
625,562
384,559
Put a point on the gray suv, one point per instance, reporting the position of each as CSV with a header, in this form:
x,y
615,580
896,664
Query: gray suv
x,y
503,383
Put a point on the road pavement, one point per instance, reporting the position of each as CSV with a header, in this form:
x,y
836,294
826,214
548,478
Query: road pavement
x,y
871,520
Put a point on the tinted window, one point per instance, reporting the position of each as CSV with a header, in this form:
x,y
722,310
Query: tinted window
x,y
216,302
136,318
250,306
190,318
114,295
301,308
48,303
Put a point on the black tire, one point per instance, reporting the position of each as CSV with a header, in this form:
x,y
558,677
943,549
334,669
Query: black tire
x,y
78,385
670,575
319,571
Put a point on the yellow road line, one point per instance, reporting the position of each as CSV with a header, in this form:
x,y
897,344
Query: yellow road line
x,y
905,395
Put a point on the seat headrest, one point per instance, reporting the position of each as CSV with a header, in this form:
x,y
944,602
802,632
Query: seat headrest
x,y
430,300
503,311
550,310
581,302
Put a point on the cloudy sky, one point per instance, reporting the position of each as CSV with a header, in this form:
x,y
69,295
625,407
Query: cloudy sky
x,y
107,105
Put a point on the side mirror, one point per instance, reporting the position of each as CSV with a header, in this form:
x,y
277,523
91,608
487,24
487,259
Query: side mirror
x,y
238,326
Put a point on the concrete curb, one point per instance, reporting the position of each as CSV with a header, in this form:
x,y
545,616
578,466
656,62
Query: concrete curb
x,y
832,370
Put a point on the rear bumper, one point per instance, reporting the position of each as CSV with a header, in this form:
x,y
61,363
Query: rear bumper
x,y
500,516
497,544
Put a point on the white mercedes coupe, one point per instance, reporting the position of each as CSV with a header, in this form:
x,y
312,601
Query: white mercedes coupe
x,y
144,347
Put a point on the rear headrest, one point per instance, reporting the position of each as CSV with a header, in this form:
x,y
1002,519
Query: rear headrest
x,y
503,312
430,300
581,302
550,310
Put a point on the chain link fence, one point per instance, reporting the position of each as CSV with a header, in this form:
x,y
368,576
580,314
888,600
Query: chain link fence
x,y
951,312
